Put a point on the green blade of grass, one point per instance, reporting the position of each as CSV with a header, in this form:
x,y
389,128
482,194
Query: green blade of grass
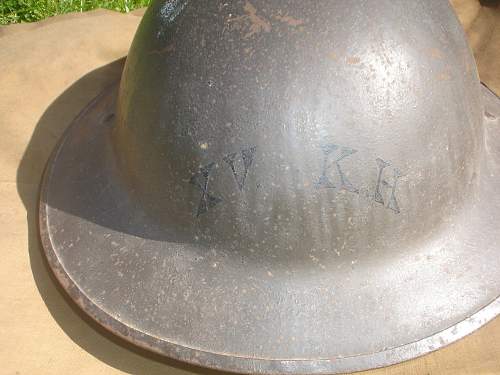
x,y
14,11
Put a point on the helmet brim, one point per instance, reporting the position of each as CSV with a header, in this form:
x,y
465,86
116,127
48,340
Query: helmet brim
x,y
212,311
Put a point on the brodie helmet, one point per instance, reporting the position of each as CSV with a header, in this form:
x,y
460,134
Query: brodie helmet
x,y
284,187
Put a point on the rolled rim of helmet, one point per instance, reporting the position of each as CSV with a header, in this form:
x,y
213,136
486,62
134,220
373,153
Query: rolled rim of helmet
x,y
284,187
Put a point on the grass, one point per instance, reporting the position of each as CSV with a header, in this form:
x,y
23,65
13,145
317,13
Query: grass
x,y
15,11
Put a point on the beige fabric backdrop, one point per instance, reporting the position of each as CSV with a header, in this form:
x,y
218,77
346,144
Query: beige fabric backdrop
x,y
48,72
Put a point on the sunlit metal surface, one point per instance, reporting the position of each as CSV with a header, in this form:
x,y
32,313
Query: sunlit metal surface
x,y
284,187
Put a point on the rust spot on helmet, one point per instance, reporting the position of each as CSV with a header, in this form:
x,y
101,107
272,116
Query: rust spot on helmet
x,y
290,21
257,23
353,60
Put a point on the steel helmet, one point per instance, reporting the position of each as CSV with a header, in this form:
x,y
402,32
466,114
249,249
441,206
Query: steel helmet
x,y
284,187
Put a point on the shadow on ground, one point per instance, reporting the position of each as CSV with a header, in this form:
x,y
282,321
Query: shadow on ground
x,y
86,333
